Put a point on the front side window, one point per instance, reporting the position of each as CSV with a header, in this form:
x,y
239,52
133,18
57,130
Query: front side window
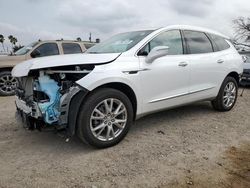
x,y
119,43
197,42
219,43
47,49
24,50
71,48
171,39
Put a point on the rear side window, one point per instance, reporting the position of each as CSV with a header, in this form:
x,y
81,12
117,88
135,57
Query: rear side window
x,y
197,42
71,48
219,43
47,49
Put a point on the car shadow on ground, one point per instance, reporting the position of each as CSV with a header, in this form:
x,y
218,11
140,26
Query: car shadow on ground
x,y
58,139
171,117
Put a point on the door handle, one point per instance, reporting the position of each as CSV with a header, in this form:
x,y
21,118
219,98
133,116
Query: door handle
x,y
220,61
183,64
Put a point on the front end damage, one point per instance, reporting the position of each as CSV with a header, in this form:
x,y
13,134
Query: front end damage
x,y
45,98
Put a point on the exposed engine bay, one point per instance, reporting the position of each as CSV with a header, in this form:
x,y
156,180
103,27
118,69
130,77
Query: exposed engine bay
x,y
43,97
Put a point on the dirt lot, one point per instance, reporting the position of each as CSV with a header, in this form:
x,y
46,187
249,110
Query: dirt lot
x,y
191,146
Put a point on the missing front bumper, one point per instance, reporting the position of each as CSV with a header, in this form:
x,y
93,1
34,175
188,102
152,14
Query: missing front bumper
x,y
69,105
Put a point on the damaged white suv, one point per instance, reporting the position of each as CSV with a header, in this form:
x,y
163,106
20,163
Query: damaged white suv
x,y
100,93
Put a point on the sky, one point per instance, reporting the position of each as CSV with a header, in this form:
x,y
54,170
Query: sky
x,y
30,20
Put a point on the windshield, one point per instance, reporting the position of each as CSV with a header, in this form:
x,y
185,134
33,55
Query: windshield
x,y
25,49
120,42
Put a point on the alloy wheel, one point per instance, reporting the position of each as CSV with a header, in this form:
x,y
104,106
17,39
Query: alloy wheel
x,y
108,119
7,84
229,95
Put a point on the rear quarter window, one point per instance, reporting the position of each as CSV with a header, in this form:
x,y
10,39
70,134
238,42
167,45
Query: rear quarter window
x,y
89,45
219,43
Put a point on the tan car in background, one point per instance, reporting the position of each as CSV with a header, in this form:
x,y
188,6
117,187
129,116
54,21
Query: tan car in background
x,y
35,50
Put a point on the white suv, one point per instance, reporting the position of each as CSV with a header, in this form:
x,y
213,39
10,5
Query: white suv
x,y
100,93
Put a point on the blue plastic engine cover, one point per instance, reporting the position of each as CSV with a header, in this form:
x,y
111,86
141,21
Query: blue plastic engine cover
x,y
49,109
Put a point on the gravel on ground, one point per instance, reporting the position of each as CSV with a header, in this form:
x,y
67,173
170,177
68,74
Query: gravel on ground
x,y
191,146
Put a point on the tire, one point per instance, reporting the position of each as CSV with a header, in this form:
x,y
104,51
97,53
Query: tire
x,y
7,84
93,113
222,102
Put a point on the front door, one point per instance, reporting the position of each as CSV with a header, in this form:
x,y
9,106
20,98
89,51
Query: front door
x,y
165,81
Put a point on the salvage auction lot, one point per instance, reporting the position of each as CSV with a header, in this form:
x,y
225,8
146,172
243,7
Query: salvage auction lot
x,y
192,146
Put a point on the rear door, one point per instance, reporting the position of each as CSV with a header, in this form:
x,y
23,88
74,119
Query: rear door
x,y
205,66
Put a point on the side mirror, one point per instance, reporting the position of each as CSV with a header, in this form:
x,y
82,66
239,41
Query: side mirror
x,y
156,52
35,53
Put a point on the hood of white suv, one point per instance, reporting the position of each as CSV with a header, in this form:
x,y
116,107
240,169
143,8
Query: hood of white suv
x,y
23,68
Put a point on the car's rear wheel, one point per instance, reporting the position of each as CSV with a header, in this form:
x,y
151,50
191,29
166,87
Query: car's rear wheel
x,y
104,118
7,84
227,96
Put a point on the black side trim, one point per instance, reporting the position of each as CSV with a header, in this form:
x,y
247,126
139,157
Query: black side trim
x,y
133,72
74,107
184,43
215,49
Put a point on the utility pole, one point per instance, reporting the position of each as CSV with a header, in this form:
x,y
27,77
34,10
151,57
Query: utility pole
x,y
90,37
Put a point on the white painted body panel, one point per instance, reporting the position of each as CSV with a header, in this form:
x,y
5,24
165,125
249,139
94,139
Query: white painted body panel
x,y
23,68
163,81
207,72
116,72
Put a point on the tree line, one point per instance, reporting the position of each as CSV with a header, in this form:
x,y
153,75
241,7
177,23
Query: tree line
x,y
242,32
13,40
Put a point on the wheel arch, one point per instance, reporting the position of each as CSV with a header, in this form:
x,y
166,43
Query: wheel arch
x,y
124,88
235,75
5,69
77,100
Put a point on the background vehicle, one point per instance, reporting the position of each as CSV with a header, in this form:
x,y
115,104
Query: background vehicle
x,y
34,50
98,94
246,72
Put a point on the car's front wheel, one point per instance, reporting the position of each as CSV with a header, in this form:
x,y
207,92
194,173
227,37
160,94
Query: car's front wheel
x,y
104,118
7,84
227,95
